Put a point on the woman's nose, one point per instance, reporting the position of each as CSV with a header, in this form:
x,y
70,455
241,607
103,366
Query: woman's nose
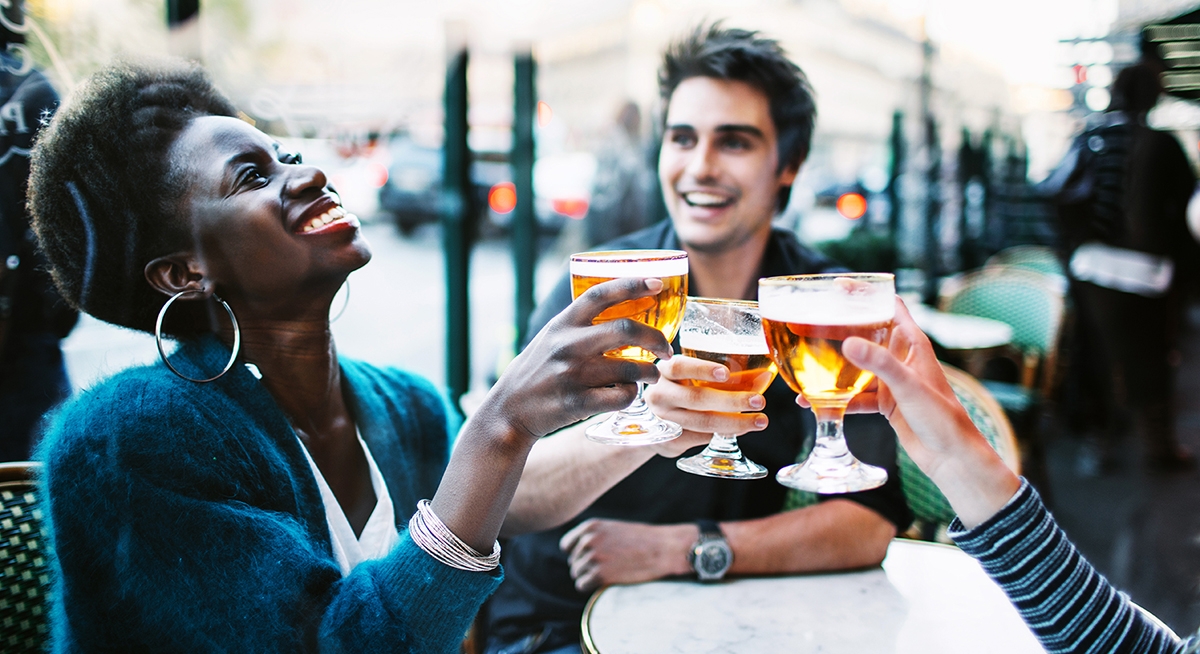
x,y
303,178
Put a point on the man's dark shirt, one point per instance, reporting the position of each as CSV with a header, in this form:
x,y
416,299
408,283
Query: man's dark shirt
x,y
538,590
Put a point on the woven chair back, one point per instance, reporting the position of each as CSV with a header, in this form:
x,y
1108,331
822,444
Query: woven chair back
x,y
24,569
931,511
1029,302
1037,258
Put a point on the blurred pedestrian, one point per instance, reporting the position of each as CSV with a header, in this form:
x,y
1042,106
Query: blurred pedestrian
x,y
1123,218
33,318
620,201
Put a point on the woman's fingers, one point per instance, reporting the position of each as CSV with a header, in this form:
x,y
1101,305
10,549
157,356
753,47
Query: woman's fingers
x,y
600,298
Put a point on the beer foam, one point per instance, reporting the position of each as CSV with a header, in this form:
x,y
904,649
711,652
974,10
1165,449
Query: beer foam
x,y
723,343
826,307
630,263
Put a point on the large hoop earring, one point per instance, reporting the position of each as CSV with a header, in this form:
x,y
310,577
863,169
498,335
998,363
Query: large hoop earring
x,y
158,339
345,303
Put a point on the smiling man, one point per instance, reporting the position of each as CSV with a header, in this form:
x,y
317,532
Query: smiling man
x,y
737,127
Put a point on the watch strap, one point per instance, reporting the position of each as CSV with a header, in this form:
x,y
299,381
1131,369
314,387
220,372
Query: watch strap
x,y
709,528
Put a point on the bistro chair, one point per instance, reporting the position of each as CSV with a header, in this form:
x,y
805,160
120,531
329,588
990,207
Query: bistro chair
x,y
24,569
1034,306
1037,258
931,512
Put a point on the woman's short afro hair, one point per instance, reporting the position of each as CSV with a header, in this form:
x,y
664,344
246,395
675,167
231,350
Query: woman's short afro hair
x,y
103,200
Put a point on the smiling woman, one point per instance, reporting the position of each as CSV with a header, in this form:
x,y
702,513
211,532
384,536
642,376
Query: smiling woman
x,y
204,506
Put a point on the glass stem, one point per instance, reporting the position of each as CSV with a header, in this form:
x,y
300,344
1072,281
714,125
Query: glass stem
x,y
830,446
638,405
723,444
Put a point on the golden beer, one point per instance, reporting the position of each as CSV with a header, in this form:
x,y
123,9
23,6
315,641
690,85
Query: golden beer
x,y
751,369
662,311
810,357
806,319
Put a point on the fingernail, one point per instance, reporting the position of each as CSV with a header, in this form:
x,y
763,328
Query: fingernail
x,y
654,285
760,422
720,374
758,402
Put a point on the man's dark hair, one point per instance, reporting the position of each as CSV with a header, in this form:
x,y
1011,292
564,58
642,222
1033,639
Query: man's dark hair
x,y
101,191
747,56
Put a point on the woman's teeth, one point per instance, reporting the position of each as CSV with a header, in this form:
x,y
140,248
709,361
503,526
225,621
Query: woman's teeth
x,y
333,214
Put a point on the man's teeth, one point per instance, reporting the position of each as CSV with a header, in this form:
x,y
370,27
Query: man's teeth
x,y
700,199
333,214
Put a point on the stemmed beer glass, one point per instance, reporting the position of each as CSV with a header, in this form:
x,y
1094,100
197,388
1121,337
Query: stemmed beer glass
x,y
728,332
636,424
806,318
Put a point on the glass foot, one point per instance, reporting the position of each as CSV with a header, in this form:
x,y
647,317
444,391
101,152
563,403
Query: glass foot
x,y
622,428
827,478
725,465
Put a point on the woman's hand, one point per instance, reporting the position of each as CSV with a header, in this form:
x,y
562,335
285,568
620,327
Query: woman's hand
x,y
563,377
930,422
700,410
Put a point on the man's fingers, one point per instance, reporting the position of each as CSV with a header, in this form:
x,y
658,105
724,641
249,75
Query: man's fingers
x,y
567,542
679,368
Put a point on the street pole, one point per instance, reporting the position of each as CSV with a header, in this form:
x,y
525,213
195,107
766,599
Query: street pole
x,y
457,228
933,173
524,221
894,195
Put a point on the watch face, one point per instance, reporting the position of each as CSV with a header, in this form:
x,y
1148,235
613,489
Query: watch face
x,y
713,559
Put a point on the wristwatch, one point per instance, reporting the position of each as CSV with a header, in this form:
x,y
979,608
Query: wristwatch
x,y
710,556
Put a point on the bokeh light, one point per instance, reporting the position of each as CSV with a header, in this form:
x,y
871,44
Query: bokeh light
x,y
852,206
503,197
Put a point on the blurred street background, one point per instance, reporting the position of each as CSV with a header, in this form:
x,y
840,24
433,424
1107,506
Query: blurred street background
x,y
937,119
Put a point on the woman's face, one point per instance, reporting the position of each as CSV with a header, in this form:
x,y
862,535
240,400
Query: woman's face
x,y
271,235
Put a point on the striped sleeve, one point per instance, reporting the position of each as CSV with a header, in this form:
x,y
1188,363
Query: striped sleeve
x,y
1067,604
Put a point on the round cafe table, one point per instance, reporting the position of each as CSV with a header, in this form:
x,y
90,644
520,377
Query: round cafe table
x,y
926,598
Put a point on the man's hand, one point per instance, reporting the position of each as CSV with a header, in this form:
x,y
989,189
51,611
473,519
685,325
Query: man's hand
x,y
602,552
699,410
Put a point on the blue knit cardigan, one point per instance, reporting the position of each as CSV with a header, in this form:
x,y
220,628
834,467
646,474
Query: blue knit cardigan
x,y
185,518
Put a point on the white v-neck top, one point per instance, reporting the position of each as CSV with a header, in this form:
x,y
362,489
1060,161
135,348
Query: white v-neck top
x,y
378,537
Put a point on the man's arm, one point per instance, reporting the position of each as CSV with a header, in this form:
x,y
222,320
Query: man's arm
x,y
565,473
833,535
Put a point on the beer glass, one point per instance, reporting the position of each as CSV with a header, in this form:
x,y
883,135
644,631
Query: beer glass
x,y
728,332
636,424
806,318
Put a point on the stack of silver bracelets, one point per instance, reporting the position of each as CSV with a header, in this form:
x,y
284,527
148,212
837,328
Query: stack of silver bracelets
x,y
432,535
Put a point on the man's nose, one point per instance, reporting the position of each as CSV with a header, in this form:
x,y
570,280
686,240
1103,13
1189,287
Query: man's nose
x,y
702,161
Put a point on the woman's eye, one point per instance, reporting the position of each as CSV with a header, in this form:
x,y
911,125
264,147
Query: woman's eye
x,y
252,175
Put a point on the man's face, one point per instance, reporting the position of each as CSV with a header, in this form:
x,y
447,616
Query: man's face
x,y
719,163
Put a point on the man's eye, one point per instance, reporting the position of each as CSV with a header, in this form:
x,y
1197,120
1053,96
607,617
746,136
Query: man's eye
x,y
683,139
735,143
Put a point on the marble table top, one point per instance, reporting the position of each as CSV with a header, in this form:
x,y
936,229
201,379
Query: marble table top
x,y
925,599
955,331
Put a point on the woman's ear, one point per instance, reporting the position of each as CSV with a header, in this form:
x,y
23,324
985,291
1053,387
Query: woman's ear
x,y
176,273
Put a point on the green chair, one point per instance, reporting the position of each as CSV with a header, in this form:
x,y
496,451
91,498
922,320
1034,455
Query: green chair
x,y
24,573
1032,304
931,511
1037,258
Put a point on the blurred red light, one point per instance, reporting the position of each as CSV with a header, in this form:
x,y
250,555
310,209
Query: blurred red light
x,y
572,207
503,197
1080,73
377,174
852,206
544,114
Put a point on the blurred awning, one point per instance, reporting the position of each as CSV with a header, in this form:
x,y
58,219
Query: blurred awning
x,y
1177,43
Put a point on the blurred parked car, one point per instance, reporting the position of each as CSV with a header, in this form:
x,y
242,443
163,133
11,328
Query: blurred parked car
x,y
412,193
